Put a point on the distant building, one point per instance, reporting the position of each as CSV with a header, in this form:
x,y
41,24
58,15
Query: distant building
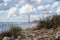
x,y
36,21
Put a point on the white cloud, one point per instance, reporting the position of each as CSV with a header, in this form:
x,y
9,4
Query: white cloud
x,y
34,17
43,8
26,9
12,11
37,1
55,4
6,0
50,0
14,19
1,11
40,8
47,6
5,3
58,10
22,1
45,16
0,4
19,3
50,11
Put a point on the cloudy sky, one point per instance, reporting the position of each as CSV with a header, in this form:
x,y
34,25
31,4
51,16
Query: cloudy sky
x,y
18,10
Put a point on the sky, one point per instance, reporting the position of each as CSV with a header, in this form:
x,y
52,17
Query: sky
x,y
18,10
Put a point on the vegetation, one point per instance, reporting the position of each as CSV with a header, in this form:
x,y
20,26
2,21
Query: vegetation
x,y
50,22
13,31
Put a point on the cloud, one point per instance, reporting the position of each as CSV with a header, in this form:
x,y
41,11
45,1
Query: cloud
x,y
56,4
50,0
12,11
43,8
35,2
57,0
21,18
1,11
4,3
40,8
22,1
38,1
34,17
12,8
6,0
19,2
26,9
58,10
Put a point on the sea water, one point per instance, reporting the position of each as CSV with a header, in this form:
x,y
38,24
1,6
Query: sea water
x,y
4,26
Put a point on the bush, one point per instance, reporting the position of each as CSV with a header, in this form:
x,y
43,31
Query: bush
x,y
50,23
13,31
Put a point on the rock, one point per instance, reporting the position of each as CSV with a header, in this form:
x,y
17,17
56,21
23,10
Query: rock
x,y
16,39
6,38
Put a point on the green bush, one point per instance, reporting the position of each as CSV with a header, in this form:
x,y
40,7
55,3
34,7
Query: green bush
x,y
50,23
13,31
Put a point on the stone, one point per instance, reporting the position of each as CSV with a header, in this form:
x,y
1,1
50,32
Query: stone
x,y
6,38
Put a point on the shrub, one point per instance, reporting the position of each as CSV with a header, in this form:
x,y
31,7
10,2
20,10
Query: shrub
x,y
50,23
13,31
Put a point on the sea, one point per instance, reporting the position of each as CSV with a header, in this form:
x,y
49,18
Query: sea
x,y
4,26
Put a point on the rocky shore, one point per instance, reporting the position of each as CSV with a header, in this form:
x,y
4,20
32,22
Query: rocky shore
x,y
42,34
